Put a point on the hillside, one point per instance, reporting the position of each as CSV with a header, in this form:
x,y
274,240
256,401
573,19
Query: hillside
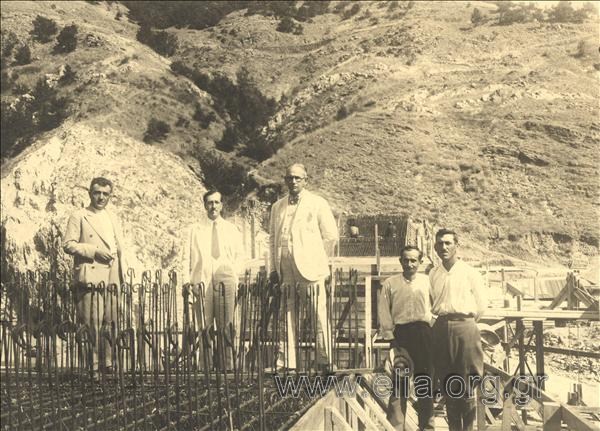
x,y
492,129
400,107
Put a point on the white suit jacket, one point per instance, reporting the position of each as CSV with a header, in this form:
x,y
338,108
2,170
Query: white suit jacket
x,y
313,234
197,257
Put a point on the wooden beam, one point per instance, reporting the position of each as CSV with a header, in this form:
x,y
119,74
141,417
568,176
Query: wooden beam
x,y
368,311
335,421
552,416
538,327
496,313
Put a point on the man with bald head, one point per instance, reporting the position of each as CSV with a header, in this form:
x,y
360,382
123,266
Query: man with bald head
x,y
303,233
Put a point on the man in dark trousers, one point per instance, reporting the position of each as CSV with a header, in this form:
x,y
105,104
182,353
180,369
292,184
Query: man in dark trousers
x,y
459,299
404,308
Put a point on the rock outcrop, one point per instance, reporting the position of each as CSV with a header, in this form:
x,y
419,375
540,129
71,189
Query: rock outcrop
x,y
155,195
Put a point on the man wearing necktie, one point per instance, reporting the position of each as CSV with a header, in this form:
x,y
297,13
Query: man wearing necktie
x,y
95,239
212,258
303,233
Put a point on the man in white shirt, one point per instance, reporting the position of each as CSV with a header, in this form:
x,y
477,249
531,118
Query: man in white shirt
x,y
303,233
212,258
404,315
95,239
459,300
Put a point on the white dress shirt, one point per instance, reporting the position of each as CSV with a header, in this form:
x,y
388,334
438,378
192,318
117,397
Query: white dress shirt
x,y
403,301
198,263
460,290
108,231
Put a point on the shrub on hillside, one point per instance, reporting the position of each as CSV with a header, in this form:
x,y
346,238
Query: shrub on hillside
x,y
204,118
38,111
9,40
247,109
311,9
287,25
43,29
162,42
196,15
50,109
6,82
231,136
66,41
68,75
352,11
476,17
563,12
20,89
23,55
224,175
157,130
342,113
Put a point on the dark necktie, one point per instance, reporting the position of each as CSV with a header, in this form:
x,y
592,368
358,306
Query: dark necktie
x,y
293,200
215,252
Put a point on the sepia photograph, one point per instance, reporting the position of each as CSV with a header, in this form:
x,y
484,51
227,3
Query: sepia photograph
x,y
300,215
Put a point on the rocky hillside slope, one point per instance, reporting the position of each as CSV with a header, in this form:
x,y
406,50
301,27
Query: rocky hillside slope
x,y
399,107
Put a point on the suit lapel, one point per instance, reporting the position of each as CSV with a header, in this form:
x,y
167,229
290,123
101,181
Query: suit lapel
x,y
281,214
96,228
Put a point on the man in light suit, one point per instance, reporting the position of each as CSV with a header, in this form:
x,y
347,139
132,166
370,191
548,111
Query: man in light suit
x,y
213,256
303,233
95,239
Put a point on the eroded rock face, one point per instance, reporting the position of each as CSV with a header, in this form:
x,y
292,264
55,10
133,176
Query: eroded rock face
x,y
155,195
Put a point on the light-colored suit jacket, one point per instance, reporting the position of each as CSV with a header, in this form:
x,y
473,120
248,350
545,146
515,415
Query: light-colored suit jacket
x,y
197,258
313,233
83,237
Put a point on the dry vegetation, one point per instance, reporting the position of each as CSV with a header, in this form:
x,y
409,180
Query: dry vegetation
x,y
489,124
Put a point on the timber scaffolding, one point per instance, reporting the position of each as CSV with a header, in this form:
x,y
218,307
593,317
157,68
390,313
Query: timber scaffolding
x,y
159,348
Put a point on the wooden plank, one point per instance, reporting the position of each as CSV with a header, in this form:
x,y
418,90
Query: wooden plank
x,y
368,320
575,421
552,416
360,415
335,421
375,410
491,313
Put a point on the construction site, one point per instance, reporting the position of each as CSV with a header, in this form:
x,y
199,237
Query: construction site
x,y
169,369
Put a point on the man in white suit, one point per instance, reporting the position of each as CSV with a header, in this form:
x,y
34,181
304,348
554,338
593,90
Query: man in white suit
x,y
95,239
212,257
303,233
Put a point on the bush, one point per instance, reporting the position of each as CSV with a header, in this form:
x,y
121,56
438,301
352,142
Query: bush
x,y
342,113
203,118
476,17
287,25
9,41
352,11
26,116
224,175
243,103
50,109
68,75
21,89
161,42
229,139
157,130
23,55
66,41
43,29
